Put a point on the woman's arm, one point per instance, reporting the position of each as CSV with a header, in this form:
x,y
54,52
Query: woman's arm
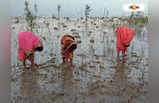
x,y
31,58
24,64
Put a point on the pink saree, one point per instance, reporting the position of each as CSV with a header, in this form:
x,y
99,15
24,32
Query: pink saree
x,y
124,36
27,41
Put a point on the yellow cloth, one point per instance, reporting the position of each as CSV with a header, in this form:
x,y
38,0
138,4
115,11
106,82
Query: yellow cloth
x,y
62,52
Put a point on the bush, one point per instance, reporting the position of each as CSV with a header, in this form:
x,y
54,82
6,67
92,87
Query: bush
x,y
30,17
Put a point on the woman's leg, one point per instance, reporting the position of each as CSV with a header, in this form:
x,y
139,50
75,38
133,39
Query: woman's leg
x,y
31,59
66,60
123,56
118,54
22,57
71,62
24,64
71,58
63,60
62,54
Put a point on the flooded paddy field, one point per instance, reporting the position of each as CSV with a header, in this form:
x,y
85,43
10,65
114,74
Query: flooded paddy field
x,y
96,76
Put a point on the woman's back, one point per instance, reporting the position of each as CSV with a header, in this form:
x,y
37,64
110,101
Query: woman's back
x,y
27,40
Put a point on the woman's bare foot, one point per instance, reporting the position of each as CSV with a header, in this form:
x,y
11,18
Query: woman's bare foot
x,y
70,66
25,69
63,63
118,59
71,63
36,65
67,65
124,60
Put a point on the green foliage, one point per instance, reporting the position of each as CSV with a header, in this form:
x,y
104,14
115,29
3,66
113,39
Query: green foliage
x,y
142,20
36,8
87,11
136,20
29,16
58,10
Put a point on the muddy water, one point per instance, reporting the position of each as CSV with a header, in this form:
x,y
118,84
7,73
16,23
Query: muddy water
x,y
96,76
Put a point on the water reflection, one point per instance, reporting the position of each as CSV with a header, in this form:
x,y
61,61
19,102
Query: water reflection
x,y
96,77
30,89
69,90
120,77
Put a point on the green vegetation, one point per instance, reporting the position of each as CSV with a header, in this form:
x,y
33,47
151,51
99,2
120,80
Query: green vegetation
x,y
87,13
29,16
58,10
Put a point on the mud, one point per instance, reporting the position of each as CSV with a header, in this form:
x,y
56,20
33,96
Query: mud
x,y
96,76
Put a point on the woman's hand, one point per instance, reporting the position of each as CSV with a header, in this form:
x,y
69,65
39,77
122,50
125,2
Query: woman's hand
x,y
25,68
127,45
36,65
